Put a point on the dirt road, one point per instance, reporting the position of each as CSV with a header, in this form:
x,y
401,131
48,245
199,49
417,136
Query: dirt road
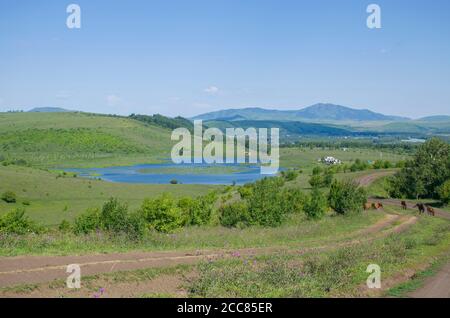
x,y
39,269
437,286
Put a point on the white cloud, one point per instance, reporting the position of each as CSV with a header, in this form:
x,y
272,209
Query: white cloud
x,y
113,100
212,90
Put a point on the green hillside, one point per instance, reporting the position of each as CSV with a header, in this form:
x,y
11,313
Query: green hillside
x,y
80,139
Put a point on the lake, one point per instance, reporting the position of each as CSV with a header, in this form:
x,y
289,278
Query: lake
x,y
225,174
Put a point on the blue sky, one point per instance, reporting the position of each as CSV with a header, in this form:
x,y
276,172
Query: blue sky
x,y
185,57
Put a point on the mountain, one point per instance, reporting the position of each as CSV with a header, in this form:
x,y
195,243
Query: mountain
x,y
49,110
317,112
437,118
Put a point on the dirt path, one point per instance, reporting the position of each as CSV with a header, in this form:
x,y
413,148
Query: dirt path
x,y
40,269
437,286
370,178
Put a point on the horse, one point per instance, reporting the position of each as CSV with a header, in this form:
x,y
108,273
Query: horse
x,y
421,207
430,210
377,205
404,205
380,205
367,206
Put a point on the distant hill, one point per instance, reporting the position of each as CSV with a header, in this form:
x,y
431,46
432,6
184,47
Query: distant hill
x,y
438,118
317,112
49,110
163,121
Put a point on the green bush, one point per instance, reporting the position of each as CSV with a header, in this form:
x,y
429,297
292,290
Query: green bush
x,y
316,181
113,217
16,222
346,196
88,222
197,211
9,197
444,192
293,200
234,214
162,214
245,191
65,226
289,175
316,205
265,205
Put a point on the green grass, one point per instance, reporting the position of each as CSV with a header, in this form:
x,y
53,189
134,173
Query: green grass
x,y
341,272
53,199
296,232
80,139
305,158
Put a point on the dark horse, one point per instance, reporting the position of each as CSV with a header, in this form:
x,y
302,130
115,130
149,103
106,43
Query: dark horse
x,y
404,205
421,207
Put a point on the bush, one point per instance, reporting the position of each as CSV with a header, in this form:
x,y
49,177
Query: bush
x,y
316,181
162,214
88,222
113,217
9,197
293,200
245,191
174,181
65,226
265,204
444,192
346,196
16,222
234,214
197,211
289,175
316,205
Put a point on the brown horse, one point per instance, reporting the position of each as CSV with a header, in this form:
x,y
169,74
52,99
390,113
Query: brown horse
x,y
404,205
377,205
421,207
367,206
430,210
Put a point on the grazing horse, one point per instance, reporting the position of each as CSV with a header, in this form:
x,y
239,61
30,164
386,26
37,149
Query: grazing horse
x,y
430,210
377,205
421,207
404,205
367,206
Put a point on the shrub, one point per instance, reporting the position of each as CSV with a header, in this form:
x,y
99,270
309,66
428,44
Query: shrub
x,y
245,191
174,181
197,211
316,171
9,197
162,214
289,175
88,222
26,202
316,181
16,222
444,192
316,205
65,226
114,216
234,214
328,178
346,196
265,204
293,200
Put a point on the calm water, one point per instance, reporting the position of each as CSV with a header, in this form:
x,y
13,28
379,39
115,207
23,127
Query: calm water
x,y
132,174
